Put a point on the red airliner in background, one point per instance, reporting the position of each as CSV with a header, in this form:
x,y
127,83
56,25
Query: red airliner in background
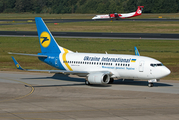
x,y
120,16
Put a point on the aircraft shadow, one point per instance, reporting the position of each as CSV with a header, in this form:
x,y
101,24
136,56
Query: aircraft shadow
x,y
63,77
139,83
81,81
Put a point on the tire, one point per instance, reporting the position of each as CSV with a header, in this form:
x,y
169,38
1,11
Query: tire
x,y
87,82
150,84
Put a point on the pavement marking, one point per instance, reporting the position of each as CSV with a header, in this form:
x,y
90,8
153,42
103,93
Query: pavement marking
x,y
16,98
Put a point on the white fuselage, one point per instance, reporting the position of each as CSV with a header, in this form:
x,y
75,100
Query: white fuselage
x,y
121,66
127,15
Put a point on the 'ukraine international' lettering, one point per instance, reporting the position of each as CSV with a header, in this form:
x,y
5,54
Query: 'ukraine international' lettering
x,y
106,59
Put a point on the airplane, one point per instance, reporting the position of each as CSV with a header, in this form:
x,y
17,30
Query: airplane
x,y
96,67
120,16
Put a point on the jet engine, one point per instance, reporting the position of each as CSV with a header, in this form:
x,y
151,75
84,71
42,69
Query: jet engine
x,y
98,78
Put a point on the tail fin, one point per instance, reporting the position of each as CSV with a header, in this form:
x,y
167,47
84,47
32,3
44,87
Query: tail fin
x,y
139,10
46,39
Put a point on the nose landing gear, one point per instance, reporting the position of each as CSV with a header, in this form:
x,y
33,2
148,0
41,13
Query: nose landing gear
x,y
151,82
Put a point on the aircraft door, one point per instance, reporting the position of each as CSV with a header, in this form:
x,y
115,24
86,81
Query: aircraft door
x,y
141,66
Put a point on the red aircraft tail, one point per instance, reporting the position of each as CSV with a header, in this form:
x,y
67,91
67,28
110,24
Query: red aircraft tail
x,y
139,10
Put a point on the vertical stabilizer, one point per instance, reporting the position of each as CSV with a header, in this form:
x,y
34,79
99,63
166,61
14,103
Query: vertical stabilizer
x,y
139,10
46,39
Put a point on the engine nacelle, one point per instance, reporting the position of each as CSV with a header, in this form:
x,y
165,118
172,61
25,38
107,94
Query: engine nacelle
x,y
98,78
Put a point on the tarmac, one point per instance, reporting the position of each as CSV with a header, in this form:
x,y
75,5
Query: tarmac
x,y
45,96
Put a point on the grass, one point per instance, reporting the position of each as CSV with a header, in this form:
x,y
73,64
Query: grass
x,y
165,51
103,26
79,16
94,26
45,16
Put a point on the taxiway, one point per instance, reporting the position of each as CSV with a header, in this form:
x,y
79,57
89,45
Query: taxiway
x,y
27,95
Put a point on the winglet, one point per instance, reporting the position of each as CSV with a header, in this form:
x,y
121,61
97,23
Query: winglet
x,y
136,51
17,64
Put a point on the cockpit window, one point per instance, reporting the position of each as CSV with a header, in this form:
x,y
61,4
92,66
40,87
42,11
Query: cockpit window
x,y
156,65
160,64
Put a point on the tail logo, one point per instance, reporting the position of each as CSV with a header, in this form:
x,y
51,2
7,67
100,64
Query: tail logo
x,y
45,39
139,11
17,66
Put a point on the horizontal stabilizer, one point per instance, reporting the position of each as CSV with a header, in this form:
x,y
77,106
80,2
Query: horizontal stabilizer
x,y
36,55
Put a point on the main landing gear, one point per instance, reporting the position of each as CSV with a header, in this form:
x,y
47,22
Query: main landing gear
x,y
87,82
150,84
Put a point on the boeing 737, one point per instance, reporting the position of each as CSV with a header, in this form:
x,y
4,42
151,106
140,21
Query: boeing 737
x,y
97,68
120,16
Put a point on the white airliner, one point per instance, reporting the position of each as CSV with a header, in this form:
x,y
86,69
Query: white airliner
x,y
97,68
120,16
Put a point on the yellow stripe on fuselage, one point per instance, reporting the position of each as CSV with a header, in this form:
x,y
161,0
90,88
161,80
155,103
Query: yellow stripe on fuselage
x,y
64,59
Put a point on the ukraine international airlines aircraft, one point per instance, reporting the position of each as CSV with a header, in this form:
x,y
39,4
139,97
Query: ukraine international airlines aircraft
x,y
97,68
120,16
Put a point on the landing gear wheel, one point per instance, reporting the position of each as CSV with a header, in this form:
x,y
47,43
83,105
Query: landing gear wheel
x,y
87,82
111,81
150,84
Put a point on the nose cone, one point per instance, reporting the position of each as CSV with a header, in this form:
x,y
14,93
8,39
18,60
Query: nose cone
x,y
160,72
165,72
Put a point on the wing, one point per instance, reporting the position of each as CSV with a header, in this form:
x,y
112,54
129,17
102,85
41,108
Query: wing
x,y
80,73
